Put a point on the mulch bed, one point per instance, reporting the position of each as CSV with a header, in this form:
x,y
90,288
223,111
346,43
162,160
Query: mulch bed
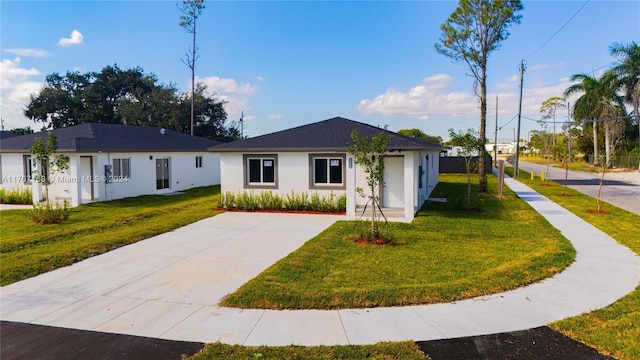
x,y
285,211
601,212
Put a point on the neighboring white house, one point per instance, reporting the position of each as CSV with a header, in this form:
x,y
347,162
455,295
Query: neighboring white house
x,y
110,162
314,158
455,151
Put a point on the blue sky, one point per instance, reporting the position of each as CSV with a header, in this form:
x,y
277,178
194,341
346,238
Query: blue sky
x,y
288,63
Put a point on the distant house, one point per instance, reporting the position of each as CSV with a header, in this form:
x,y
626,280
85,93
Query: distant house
x,y
109,161
314,158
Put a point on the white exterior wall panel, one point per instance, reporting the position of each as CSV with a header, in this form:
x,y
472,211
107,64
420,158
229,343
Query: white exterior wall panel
x,y
13,172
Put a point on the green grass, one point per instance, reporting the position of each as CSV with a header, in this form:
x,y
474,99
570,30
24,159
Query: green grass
x,y
28,249
614,330
576,165
443,255
405,350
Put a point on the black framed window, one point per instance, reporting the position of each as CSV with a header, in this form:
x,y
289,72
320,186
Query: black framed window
x,y
327,171
261,170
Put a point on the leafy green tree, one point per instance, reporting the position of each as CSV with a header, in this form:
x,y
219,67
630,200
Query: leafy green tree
x,y
417,133
549,108
473,31
21,131
368,153
469,143
48,161
128,97
191,10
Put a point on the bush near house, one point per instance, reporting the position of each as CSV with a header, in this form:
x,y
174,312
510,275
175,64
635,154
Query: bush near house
x,y
45,213
16,196
266,200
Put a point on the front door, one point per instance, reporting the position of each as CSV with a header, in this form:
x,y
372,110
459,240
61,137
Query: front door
x,y
162,174
86,178
393,182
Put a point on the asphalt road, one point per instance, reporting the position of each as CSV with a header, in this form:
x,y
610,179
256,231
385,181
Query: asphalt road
x,y
621,189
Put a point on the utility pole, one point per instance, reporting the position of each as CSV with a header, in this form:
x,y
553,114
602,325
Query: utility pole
x,y
495,143
515,169
242,126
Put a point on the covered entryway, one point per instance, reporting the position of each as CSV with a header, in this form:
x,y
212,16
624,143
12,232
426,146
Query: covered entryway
x,y
393,182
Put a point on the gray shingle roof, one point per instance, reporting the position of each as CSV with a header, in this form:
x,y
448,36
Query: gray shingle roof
x,y
328,135
92,137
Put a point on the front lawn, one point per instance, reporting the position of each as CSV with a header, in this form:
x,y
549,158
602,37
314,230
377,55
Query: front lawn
x,y
406,350
614,330
28,249
443,255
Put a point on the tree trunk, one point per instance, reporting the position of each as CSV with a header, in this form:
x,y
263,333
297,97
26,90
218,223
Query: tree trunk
x,y
596,154
607,144
482,177
468,191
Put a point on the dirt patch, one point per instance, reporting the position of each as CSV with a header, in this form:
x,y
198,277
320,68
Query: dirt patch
x,y
601,212
365,241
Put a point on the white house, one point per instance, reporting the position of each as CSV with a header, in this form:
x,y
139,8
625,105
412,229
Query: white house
x,y
109,161
314,158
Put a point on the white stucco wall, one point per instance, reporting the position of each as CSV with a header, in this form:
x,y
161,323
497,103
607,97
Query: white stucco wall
x,y
12,172
68,184
292,174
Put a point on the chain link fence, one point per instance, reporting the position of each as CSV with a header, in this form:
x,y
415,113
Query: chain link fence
x,y
621,162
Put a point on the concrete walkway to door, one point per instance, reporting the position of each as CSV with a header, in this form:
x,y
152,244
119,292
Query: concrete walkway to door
x,y
168,287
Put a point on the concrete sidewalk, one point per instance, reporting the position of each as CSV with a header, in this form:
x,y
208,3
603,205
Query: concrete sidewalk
x,y
167,287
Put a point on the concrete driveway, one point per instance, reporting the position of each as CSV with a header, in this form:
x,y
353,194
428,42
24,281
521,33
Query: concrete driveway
x,y
150,287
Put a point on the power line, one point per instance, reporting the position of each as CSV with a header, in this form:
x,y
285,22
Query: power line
x,y
557,32
513,118
562,82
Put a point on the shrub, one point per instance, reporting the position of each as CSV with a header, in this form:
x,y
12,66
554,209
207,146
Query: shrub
x,y
460,203
50,214
16,196
267,200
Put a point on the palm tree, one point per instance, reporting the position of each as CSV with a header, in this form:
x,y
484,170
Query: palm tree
x,y
627,72
585,108
599,102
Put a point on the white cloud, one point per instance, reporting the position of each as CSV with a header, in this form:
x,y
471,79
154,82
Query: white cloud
x,y
235,94
260,78
545,66
227,86
37,53
76,38
431,101
274,117
421,100
16,85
